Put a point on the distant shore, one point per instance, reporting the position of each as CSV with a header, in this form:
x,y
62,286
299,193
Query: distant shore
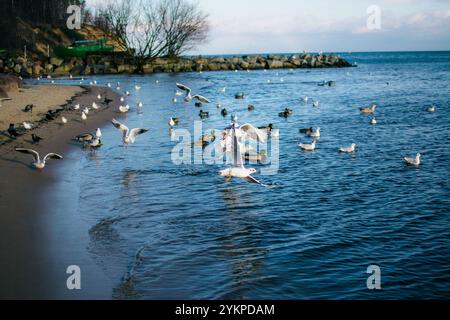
x,y
116,64
32,230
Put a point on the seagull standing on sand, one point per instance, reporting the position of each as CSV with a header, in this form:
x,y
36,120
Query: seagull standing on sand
x,y
28,108
76,107
38,163
413,161
64,120
83,116
35,138
350,149
27,126
129,136
95,106
12,131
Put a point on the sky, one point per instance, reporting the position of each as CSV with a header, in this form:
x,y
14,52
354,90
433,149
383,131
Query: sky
x,y
275,26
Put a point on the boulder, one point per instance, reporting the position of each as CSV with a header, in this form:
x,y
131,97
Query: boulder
x,y
213,67
77,69
274,64
49,68
17,68
63,69
56,61
10,83
3,93
125,68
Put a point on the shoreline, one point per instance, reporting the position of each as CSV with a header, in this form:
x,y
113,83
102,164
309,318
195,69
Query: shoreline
x,y
31,265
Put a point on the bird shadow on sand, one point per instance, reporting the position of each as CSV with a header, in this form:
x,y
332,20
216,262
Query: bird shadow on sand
x,y
15,161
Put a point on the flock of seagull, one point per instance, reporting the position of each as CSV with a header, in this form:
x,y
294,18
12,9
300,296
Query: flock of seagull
x,y
233,138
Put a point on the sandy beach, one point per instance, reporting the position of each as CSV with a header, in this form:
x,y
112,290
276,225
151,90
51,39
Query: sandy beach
x,y
30,265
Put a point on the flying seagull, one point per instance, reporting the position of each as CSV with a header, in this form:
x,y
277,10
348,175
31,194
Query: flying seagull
x,y
187,90
38,163
129,136
237,170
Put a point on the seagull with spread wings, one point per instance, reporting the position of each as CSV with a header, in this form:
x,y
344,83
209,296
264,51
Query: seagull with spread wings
x,y
233,138
189,97
38,163
129,136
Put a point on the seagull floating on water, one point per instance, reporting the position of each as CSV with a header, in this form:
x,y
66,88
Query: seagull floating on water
x,y
413,161
124,109
129,136
373,121
350,149
174,122
370,109
315,134
431,109
38,163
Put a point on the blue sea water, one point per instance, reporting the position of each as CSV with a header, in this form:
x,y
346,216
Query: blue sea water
x,y
163,231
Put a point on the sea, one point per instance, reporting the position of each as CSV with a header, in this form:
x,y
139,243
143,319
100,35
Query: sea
x,y
323,224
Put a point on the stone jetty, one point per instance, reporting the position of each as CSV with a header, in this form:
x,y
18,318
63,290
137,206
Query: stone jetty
x,y
113,64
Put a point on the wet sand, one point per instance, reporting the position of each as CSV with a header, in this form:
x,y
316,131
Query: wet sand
x,y
37,242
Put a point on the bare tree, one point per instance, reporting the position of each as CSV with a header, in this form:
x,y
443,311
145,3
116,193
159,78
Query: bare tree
x,y
184,25
148,29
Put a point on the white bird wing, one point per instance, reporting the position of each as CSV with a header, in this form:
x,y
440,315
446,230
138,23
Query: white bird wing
x,y
121,127
35,154
201,99
135,132
183,87
253,132
252,180
54,156
235,152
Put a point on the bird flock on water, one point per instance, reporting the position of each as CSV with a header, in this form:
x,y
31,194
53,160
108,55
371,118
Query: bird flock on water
x,y
233,137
